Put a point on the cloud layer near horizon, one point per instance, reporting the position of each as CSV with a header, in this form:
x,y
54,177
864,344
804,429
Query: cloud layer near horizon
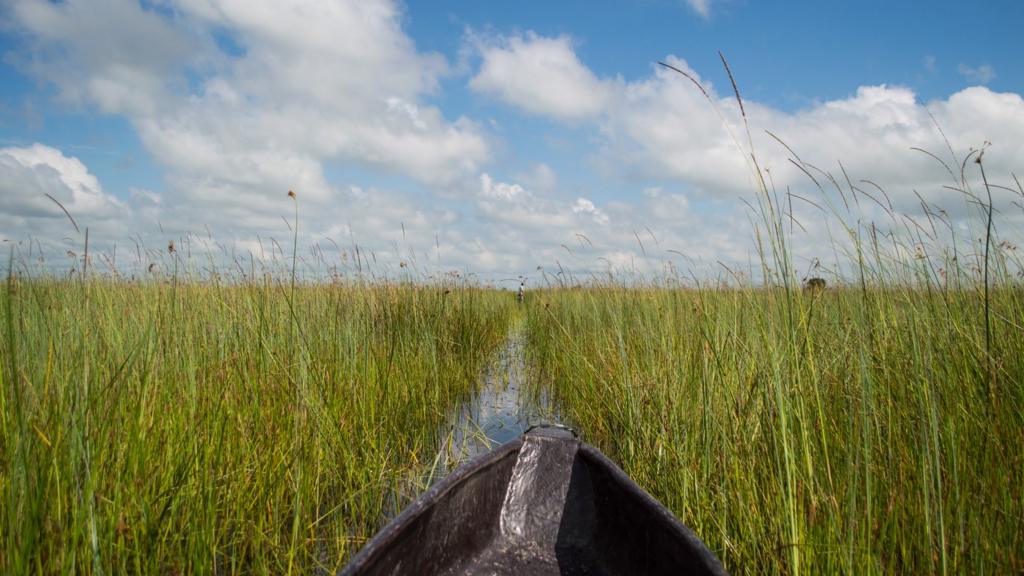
x,y
238,108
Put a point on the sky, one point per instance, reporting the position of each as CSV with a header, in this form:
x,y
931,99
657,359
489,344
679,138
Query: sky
x,y
496,139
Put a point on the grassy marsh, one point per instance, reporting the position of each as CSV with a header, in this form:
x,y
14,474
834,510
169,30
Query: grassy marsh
x,y
839,431
199,428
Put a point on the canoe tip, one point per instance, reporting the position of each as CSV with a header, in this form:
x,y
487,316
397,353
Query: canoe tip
x,y
553,430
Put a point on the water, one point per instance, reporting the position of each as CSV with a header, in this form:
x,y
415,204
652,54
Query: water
x,y
501,410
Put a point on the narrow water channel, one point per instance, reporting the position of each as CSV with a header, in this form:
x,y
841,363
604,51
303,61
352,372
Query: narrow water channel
x,y
503,408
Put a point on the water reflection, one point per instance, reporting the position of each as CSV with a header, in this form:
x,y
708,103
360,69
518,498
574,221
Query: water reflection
x,y
502,409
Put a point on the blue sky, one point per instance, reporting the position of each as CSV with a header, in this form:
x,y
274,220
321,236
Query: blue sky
x,y
501,137
788,54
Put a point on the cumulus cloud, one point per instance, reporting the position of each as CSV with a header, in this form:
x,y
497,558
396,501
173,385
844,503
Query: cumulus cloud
x,y
541,178
540,75
241,101
35,181
580,239
108,53
349,86
584,206
511,203
662,127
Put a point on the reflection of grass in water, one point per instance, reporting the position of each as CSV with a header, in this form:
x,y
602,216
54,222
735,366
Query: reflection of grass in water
x,y
473,440
497,411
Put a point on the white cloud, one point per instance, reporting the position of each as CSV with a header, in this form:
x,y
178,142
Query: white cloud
x,y
662,127
667,206
501,190
522,230
585,206
982,74
110,53
242,101
540,75
702,7
511,203
308,85
29,174
540,178
666,131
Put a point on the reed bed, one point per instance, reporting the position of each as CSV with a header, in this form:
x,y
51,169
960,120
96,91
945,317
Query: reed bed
x,y
171,427
848,430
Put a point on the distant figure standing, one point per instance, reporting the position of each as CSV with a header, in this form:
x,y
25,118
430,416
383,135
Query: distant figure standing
x,y
521,296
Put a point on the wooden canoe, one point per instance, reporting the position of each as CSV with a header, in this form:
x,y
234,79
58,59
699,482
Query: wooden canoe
x,y
544,503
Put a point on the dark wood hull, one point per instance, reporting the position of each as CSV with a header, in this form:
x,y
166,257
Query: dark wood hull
x,y
544,503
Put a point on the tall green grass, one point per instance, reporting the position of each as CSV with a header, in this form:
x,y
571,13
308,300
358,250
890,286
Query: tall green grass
x,y
184,427
866,437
